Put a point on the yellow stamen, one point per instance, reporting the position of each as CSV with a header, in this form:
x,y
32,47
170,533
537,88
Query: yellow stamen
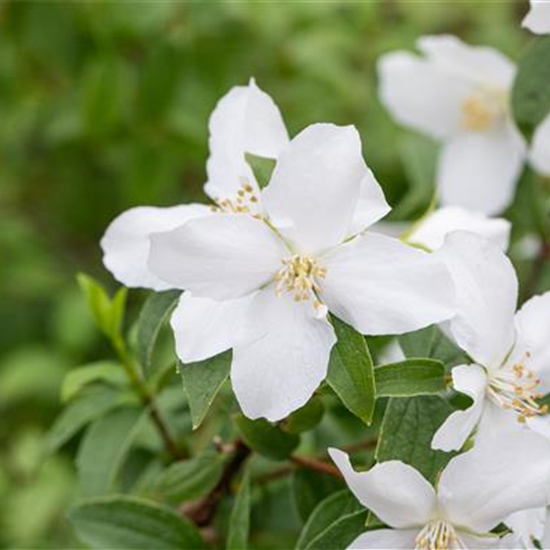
x,y
438,535
299,276
481,110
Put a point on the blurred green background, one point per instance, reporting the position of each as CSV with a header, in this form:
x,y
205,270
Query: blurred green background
x,y
104,106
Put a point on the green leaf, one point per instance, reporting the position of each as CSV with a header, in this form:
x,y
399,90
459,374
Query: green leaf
x,y
531,91
407,430
431,342
122,523
326,513
108,313
306,418
103,449
201,383
152,316
309,488
350,371
265,438
102,371
190,479
89,405
409,378
262,168
239,524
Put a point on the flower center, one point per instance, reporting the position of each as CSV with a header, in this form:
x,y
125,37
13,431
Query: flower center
x,y
245,202
299,275
516,389
438,535
481,110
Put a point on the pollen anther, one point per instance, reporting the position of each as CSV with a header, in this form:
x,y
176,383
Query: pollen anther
x,y
438,535
299,275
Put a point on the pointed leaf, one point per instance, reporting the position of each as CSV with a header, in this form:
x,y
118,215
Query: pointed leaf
x,y
202,381
239,524
351,372
409,378
121,523
101,371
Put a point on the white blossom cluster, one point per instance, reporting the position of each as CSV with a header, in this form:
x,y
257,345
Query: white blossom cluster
x,y
261,267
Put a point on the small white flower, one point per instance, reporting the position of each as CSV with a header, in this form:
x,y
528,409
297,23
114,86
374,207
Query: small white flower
x,y
510,351
245,120
530,525
459,94
539,154
538,18
475,492
261,283
430,231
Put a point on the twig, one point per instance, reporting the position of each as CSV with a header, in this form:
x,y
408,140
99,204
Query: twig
x,y
316,465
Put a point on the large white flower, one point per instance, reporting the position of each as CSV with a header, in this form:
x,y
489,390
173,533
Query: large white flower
x,y
245,120
473,495
459,94
538,18
261,283
539,154
510,351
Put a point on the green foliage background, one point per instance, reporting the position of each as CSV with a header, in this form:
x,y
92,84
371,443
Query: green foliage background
x,y
103,106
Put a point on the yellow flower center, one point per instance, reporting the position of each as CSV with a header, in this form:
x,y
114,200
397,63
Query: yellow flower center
x,y
438,535
299,275
245,202
482,109
516,389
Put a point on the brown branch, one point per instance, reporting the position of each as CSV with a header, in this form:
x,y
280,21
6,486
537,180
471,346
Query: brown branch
x,y
316,465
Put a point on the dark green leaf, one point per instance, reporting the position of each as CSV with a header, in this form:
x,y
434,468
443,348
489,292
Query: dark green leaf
x,y
531,91
91,404
103,449
239,524
341,533
350,372
306,418
409,378
309,488
190,479
123,523
102,371
152,316
265,438
431,342
407,430
201,383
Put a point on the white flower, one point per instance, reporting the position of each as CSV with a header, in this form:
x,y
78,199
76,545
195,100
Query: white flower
x,y
510,351
261,283
539,154
459,94
538,18
430,231
475,492
530,525
245,120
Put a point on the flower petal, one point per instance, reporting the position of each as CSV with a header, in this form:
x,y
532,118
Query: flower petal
x,y
421,95
486,295
487,542
453,433
371,206
532,322
223,256
482,487
126,244
481,65
432,230
479,170
539,155
203,327
385,539
538,18
284,357
382,286
528,524
394,491
315,186
245,120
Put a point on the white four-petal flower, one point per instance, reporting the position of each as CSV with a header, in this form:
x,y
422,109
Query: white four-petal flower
x,y
459,94
510,351
538,18
269,278
475,492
